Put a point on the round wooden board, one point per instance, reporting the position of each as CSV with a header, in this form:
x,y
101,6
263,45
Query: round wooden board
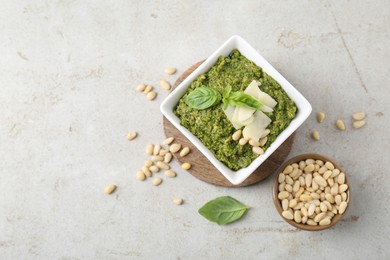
x,y
202,167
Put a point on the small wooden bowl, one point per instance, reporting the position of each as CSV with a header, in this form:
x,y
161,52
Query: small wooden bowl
x,y
278,203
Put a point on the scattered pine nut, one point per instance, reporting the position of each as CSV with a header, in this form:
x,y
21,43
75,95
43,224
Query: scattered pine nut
x,y
170,173
359,116
146,171
141,175
186,166
163,165
147,89
185,151
132,135
148,163
149,149
320,117
359,124
315,135
154,169
168,141
157,181
254,143
141,87
174,148
165,84
110,189
340,124
151,95
167,157
177,201
156,149
156,158
170,71
263,141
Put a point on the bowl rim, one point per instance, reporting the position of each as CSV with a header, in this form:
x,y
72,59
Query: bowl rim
x,y
236,42
277,202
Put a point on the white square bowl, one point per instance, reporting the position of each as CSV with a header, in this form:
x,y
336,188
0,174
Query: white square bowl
x,y
236,42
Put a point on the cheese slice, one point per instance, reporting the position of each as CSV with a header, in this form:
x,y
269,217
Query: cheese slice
x,y
229,112
266,99
258,125
243,113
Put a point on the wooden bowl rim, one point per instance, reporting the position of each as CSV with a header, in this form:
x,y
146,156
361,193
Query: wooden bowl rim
x,y
277,202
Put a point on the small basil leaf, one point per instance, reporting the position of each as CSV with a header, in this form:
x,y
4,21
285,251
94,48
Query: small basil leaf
x,y
225,96
239,98
203,97
223,210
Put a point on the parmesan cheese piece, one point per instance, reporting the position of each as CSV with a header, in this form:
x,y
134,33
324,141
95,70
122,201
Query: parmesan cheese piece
x,y
257,127
229,112
266,100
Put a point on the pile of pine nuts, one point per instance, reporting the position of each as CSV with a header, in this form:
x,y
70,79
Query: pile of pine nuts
x,y
312,192
257,145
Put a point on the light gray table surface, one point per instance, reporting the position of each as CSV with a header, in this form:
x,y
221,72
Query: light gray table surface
x,y
68,72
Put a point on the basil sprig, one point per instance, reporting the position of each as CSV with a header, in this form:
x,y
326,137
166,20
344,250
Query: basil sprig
x,y
205,97
223,210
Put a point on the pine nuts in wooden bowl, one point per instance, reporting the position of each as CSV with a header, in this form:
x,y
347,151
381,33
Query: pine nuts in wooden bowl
x,y
311,192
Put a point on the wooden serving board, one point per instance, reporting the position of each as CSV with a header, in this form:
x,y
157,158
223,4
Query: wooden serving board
x,y
202,167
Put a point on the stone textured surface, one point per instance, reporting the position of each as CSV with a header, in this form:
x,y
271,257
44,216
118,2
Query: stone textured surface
x,y
68,72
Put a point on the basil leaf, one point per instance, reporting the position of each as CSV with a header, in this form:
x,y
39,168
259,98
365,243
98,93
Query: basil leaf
x,y
203,97
239,98
223,210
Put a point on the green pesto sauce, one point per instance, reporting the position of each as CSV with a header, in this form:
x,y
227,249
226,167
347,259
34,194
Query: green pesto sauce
x,y
211,125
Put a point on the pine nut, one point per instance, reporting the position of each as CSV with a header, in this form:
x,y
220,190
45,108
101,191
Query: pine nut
x,y
285,204
156,149
283,195
320,117
358,116
265,133
343,207
319,217
185,151
296,186
320,181
147,89
157,158
186,166
163,165
292,203
146,171
170,173
151,95
174,148
340,124
329,197
167,157
288,169
327,174
335,189
323,207
289,180
237,135
343,187
281,177
329,165
165,84
308,180
148,163
243,141
315,135
337,199
149,149
141,176
170,70
157,181
162,152
297,216
325,222
254,143
263,141
319,162
110,189
305,197
311,210
154,169
168,141
178,201
358,124
309,168
141,87
131,135
287,214
257,150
